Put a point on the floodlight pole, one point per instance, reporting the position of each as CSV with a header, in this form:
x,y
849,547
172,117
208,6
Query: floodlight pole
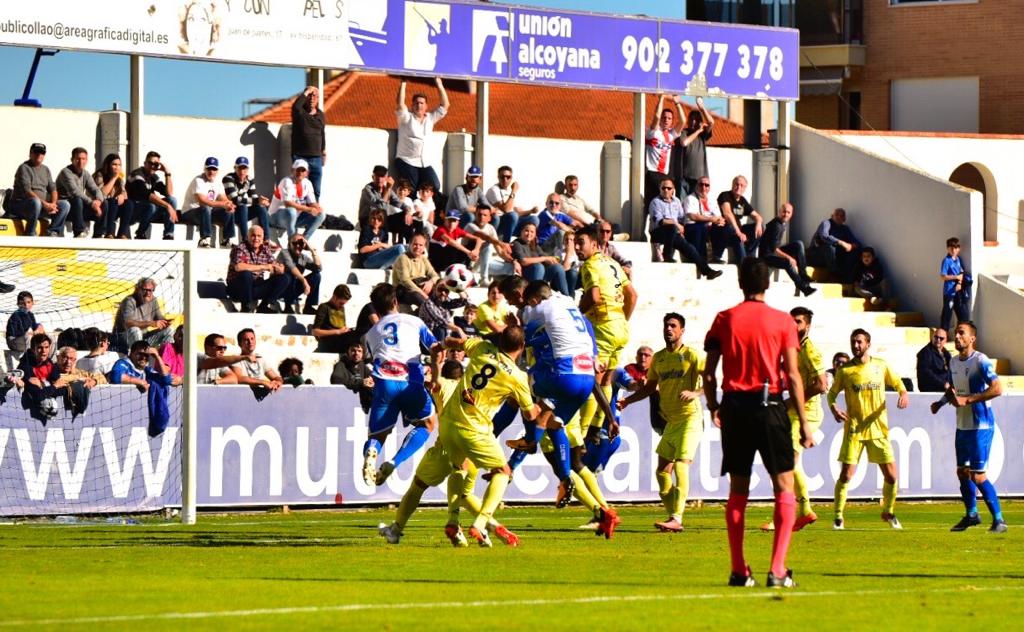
x,y
483,118
636,166
135,116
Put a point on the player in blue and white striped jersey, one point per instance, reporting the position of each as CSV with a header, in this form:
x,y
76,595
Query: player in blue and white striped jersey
x,y
396,345
975,384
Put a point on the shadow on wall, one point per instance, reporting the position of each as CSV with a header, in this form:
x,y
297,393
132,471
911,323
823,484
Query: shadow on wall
x,y
1020,223
264,151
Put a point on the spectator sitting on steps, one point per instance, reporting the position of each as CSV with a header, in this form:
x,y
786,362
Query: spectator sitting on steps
x,y
84,197
35,194
139,318
254,274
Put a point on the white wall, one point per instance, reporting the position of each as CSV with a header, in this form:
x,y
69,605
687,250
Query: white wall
x,y
998,330
184,143
907,215
940,155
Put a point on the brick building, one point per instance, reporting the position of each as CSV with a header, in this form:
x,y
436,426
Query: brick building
x,y
938,65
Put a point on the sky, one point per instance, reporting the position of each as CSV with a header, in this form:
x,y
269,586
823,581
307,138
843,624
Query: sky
x,y
191,88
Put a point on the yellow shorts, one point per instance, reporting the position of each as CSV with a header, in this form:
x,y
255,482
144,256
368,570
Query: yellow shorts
x,y
879,451
611,337
481,448
796,430
435,466
572,429
680,440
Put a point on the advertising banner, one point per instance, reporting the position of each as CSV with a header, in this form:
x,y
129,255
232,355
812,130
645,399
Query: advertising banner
x,y
300,33
574,49
304,446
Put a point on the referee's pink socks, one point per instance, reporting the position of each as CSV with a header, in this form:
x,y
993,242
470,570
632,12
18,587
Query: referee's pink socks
x,y
735,509
785,516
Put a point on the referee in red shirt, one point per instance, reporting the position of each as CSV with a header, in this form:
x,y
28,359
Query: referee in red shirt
x,y
758,347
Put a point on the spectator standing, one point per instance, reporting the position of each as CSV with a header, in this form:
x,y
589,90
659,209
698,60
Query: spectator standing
x,y
933,364
100,358
22,324
758,348
835,246
415,136
690,150
667,228
309,135
788,257
373,251
35,194
150,192
745,225
507,215
241,190
252,369
110,179
294,203
535,263
329,327
204,194
255,275
954,277
637,371
84,197
662,133
299,259
139,317
465,197
413,275
378,193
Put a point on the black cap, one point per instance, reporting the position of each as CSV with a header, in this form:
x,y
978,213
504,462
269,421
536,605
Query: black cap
x,y
37,148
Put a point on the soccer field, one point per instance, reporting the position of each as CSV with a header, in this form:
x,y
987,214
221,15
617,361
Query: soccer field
x,y
318,569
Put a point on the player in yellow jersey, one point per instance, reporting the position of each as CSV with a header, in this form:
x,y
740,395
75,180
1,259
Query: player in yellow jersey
x,y
467,430
862,381
436,467
608,301
812,373
675,375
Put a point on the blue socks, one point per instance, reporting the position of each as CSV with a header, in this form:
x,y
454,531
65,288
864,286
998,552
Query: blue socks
x,y
415,440
505,417
516,459
970,495
371,443
988,492
561,442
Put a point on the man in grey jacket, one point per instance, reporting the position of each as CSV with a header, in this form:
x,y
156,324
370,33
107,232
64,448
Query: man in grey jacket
x,y
35,194
83,195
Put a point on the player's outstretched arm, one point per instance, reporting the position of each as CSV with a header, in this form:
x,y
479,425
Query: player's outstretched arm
x,y
646,390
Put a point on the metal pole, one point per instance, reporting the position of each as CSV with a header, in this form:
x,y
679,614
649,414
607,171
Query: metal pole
x,y
636,167
483,117
784,121
138,87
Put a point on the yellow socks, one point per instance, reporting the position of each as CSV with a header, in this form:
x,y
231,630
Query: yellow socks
x,y
840,501
590,480
408,506
492,498
888,497
682,471
800,491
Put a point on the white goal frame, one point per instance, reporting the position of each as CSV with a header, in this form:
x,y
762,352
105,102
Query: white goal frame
x,y
189,443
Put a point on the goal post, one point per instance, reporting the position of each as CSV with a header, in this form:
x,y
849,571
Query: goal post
x,y
65,461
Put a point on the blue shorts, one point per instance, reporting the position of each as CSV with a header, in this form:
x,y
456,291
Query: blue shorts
x,y
394,397
972,448
565,392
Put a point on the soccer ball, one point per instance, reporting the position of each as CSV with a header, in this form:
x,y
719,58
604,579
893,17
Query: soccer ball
x,y
457,277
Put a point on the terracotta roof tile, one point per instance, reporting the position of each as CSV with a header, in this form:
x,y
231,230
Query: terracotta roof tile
x,y
361,99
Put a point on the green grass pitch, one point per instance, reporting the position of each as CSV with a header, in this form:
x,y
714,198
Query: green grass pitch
x,y
329,569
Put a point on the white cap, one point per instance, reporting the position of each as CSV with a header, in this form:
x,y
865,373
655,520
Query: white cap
x,y
300,164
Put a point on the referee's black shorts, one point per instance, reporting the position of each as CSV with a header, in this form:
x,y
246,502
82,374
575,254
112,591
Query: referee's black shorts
x,y
749,427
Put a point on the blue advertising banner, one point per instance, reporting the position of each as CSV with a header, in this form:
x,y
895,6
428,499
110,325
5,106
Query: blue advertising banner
x,y
304,446
574,49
